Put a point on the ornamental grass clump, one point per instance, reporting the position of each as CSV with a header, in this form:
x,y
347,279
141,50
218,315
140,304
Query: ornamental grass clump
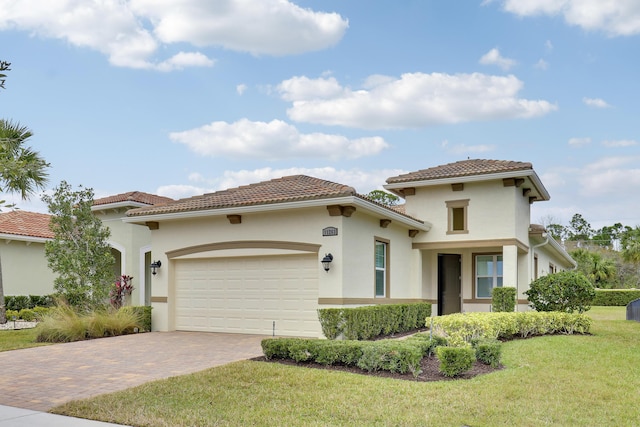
x,y
64,324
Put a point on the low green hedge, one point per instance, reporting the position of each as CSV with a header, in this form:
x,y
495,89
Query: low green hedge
x,y
462,328
364,323
615,297
20,302
27,314
400,356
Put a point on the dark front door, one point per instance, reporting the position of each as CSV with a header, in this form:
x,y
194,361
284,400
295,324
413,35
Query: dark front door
x,y
449,284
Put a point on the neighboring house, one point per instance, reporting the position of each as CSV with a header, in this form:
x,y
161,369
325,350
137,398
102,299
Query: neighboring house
x,y
24,264
249,259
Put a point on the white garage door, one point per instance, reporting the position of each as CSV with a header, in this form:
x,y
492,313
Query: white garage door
x,y
248,294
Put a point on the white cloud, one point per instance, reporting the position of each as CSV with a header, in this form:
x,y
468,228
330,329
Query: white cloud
x,y
413,100
606,176
541,64
548,45
595,102
579,142
493,57
273,140
130,33
272,27
620,143
614,17
363,181
183,60
241,88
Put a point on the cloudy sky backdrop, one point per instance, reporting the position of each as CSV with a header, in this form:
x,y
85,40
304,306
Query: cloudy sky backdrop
x,y
182,97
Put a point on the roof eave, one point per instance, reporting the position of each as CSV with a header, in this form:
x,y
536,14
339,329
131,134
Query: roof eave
x,y
238,210
23,238
529,173
118,205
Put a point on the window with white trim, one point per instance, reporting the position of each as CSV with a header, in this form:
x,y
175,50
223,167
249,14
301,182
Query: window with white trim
x,y
381,268
488,274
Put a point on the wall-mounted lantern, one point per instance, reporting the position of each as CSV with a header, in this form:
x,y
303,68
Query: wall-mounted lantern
x,y
154,266
326,262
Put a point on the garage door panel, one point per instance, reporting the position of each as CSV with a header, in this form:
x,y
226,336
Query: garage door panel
x,y
246,295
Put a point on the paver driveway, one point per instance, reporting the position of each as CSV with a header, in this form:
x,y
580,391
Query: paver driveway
x,y
43,377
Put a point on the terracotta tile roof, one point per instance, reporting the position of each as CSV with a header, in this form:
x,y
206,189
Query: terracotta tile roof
x,y
286,189
462,169
133,196
24,223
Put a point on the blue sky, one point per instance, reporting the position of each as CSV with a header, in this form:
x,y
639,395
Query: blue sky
x,y
184,97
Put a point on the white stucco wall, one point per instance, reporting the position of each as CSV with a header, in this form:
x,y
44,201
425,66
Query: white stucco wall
x,y
494,211
128,239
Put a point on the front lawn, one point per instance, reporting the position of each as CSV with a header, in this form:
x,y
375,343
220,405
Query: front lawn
x,y
19,338
552,380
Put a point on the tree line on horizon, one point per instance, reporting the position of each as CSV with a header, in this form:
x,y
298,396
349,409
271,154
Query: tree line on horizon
x,y
609,257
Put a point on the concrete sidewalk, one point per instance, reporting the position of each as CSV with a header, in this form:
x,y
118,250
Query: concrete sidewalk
x,y
41,378
17,417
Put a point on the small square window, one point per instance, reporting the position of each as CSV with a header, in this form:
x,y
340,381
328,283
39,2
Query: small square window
x,y
457,216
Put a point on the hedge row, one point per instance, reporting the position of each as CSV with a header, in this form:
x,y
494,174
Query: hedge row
x,y
27,314
400,356
20,302
615,297
364,323
462,328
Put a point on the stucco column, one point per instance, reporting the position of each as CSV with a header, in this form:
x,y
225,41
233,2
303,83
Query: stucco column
x,y
510,266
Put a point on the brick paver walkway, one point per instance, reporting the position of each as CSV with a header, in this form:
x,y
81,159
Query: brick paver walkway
x,y
43,377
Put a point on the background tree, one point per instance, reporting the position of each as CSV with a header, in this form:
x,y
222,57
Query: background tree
x,y
4,66
22,170
600,271
630,242
579,229
79,251
383,197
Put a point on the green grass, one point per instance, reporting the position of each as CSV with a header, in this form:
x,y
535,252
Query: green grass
x,y
20,338
556,380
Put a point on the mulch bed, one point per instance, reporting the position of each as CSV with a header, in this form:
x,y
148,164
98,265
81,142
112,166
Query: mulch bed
x,y
429,366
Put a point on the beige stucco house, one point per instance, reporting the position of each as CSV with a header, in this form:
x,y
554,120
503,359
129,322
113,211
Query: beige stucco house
x,y
249,259
24,265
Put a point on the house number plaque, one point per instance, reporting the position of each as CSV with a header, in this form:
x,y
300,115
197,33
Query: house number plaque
x,y
330,231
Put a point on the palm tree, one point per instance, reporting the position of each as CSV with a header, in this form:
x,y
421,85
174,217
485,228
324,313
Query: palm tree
x,y
22,170
631,248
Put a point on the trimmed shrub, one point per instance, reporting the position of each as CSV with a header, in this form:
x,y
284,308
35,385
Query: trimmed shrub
x,y
615,297
566,291
462,328
503,299
11,314
331,322
392,356
488,351
455,360
27,315
364,323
